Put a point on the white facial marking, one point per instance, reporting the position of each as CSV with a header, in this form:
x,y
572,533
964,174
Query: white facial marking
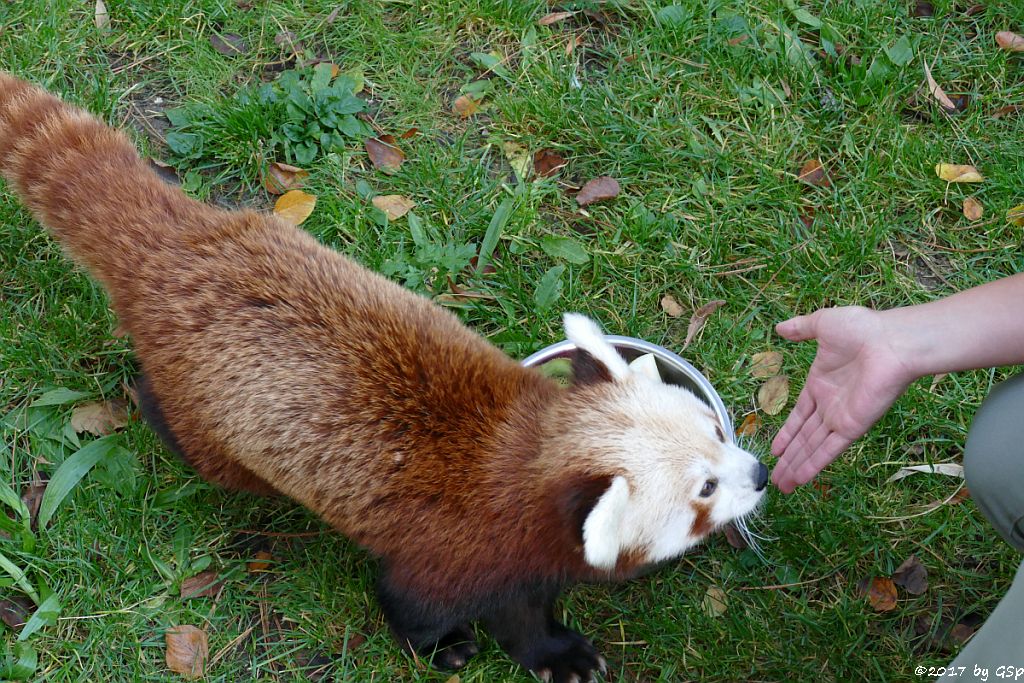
x,y
601,542
586,335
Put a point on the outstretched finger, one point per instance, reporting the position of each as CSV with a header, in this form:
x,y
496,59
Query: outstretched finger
x,y
802,411
812,433
829,450
800,328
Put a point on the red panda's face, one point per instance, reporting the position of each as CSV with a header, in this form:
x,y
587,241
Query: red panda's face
x,y
677,475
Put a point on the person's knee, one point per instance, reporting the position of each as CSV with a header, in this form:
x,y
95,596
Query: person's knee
x,y
994,458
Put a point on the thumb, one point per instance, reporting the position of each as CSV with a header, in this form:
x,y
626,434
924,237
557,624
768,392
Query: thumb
x,y
800,328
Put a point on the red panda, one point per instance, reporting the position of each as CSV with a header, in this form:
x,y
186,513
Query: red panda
x,y
275,365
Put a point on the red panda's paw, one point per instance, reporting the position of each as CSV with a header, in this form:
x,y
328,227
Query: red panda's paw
x,y
454,649
568,658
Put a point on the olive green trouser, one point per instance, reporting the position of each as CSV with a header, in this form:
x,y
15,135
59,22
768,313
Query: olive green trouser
x,y
994,469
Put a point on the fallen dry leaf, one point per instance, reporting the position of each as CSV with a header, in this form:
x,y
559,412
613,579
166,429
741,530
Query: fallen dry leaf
x,y
699,318
922,8
751,423
733,42
574,43
519,158
671,306
394,206
912,576
598,189
813,173
454,678
14,611
773,394
202,585
547,163
881,593
101,18
962,632
32,497
188,648
824,489
765,364
260,561
99,417
1010,41
937,92
958,173
411,133
465,106
950,469
715,602
973,210
384,156
1006,111
280,178
295,206
554,18
229,44
1016,215
166,172
333,16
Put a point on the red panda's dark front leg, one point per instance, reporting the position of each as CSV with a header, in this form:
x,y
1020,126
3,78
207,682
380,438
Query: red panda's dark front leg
x,y
441,634
526,629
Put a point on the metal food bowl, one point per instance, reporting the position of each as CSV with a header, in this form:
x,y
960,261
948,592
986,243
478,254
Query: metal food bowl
x,y
672,368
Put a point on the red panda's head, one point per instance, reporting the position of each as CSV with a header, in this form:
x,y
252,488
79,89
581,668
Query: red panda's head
x,y
673,474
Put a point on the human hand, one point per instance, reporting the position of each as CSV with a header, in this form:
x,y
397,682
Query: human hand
x,y
857,373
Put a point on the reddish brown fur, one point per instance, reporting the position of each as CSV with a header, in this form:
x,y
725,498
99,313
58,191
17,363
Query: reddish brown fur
x,y
281,365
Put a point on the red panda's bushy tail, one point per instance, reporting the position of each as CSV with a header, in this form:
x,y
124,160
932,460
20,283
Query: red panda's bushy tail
x,y
86,183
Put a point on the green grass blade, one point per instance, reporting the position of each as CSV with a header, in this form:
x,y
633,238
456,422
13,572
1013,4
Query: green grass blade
x,y
493,234
44,616
20,664
13,500
58,397
18,574
70,473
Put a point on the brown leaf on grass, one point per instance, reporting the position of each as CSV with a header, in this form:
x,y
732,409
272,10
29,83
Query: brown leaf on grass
x,y
958,173
923,8
773,395
734,537
14,611
554,18
715,602
574,43
937,92
202,585
188,648
824,489
32,497
671,306
384,156
295,206
699,318
1010,41
394,206
880,592
973,210
465,106
99,417
547,163
165,171
733,42
333,16
598,189
1006,111
751,423
411,133
765,364
290,42
260,561
1016,215
813,173
101,18
229,44
912,576
280,178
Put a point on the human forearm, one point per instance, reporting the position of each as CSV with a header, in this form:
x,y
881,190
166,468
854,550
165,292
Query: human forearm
x,y
977,328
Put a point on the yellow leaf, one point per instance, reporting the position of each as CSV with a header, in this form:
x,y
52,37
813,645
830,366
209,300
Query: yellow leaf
x,y
773,394
465,106
715,602
394,206
751,423
1016,215
958,173
973,210
295,206
765,364
187,651
519,157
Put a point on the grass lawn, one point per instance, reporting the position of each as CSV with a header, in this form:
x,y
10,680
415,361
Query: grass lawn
x,y
704,113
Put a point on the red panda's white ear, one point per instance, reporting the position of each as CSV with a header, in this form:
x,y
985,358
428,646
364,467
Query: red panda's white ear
x,y
587,336
601,529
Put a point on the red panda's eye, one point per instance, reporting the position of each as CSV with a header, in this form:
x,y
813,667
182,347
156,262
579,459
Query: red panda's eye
x,y
709,487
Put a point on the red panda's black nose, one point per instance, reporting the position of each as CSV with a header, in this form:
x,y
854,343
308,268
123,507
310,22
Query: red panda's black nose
x,y
760,477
